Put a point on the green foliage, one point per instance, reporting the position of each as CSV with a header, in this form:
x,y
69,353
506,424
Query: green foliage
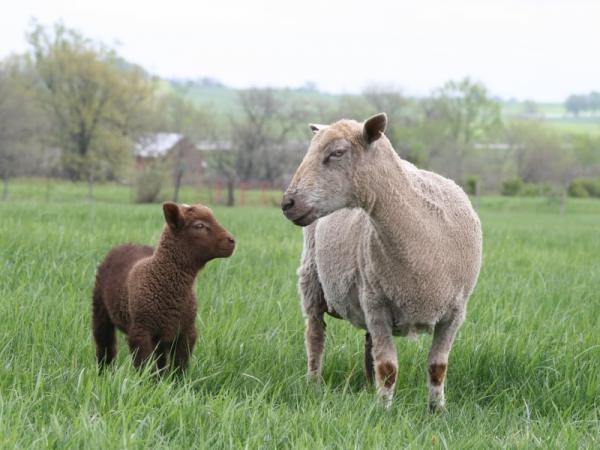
x,y
524,372
471,184
97,102
585,187
148,185
512,187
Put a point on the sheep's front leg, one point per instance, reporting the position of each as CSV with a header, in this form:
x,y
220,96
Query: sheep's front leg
x,y
183,348
443,338
141,345
314,308
385,358
314,339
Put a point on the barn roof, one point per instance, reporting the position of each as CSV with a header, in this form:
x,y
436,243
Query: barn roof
x,y
157,144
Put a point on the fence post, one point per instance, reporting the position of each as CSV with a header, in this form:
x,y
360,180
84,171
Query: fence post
x,y
242,193
218,191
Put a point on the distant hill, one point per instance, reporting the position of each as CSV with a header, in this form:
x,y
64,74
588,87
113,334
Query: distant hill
x,y
223,100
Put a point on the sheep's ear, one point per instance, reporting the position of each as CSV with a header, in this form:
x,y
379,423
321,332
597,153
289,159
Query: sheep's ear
x,y
316,127
374,127
173,215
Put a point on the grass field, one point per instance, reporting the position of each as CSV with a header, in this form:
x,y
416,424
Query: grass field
x,y
524,372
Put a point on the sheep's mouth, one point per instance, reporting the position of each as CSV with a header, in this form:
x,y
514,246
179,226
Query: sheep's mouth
x,y
227,250
305,219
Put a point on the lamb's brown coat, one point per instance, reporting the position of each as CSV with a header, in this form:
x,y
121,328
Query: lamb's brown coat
x,y
149,294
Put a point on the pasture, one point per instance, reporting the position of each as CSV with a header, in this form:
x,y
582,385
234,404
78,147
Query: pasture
x,y
524,371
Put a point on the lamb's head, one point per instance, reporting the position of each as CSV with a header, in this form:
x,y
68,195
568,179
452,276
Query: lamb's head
x,y
323,183
196,231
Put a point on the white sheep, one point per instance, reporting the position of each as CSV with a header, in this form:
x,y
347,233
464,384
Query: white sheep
x,y
393,249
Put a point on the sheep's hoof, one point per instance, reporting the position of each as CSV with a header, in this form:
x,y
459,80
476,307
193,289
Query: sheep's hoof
x,y
437,408
386,399
314,378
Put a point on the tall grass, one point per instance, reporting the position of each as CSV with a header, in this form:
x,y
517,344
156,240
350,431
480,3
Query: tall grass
x,y
524,372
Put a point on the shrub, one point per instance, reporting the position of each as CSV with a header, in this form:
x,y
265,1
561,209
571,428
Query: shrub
x,y
536,190
584,187
512,187
578,189
147,186
471,184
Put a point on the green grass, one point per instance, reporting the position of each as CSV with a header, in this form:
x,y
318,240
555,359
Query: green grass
x,y
524,372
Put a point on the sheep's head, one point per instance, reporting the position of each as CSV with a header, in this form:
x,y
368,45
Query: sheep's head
x,y
322,183
196,230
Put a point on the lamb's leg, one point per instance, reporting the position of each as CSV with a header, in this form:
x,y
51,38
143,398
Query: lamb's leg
x,y
184,345
443,337
104,333
385,358
161,350
141,345
369,368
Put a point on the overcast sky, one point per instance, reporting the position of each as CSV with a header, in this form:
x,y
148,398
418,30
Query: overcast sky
x,y
529,49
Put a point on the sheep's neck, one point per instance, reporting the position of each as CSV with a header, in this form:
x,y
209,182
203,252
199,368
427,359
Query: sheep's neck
x,y
385,193
183,266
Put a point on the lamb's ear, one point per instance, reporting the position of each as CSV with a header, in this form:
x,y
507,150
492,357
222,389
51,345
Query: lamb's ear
x,y
374,127
173,215
316,127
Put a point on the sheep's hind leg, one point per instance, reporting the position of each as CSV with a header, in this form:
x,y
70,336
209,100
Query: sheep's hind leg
x,y
161,350
104,333
369,368
443,338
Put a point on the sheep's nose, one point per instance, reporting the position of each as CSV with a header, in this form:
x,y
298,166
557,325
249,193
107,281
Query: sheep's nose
x,y
231,240
287,203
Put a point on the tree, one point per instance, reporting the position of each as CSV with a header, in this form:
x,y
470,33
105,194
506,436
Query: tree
x,y
97,101
594,101
576,103
539,154
266,134
179,115
391,101
446,130
21,122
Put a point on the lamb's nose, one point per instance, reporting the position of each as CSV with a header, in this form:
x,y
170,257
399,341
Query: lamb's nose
x,y
287,203
231,240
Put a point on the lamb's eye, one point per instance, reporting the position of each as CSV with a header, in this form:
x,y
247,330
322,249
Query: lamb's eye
x,y
337,154
198,225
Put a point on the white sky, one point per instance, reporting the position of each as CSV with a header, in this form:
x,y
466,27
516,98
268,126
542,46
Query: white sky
x,y
529,49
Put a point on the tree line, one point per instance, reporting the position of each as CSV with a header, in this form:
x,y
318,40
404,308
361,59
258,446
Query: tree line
x,y
73,108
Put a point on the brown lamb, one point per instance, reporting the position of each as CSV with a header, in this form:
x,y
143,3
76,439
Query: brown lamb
x,y
149,295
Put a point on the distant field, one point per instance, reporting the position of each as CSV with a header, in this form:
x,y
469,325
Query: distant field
x,y
524,372
64,191
576,126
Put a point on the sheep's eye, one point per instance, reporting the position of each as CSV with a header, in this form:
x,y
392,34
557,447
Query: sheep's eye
x,y
198,225
337,154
